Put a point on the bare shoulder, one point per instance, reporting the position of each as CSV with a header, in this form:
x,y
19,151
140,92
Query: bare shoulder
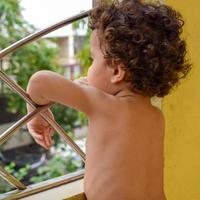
x,y
98,101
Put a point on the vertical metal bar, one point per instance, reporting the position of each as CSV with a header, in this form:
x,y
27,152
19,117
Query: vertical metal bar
x,y
2,83
53,123
11,179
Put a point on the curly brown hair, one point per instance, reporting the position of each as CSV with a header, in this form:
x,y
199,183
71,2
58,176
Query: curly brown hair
x,y
145,39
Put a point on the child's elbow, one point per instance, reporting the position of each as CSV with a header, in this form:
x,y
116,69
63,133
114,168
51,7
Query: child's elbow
x,y
39,75
36,85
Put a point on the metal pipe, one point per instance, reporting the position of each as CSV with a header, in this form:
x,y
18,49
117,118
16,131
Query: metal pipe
x,y
40,33
2,83
44,186
16,88
11,179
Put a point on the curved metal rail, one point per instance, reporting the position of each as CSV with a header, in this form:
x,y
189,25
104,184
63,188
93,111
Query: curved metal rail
x,y
40,33
37,109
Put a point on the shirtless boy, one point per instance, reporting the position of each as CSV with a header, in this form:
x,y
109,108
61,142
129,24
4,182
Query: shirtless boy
x,y
137,53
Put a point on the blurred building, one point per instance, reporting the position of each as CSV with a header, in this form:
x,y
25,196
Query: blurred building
x,y
69,45
69,41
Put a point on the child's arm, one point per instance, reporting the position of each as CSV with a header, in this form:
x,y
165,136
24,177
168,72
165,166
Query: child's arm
x,y
46,86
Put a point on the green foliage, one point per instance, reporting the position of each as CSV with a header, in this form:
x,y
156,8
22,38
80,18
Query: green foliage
x,y
4,186
20,173
55,167
83,55
12,25
62,116
27,60
17,173
69,119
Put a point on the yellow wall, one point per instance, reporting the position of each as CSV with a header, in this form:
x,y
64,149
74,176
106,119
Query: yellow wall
x,y
182,112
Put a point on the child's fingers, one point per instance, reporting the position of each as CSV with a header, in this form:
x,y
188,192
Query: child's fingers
x,y
46,140
49,141
47,136
82,80
38,137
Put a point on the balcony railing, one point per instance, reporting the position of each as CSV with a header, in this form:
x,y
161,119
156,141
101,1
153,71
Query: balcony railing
x,y
21,189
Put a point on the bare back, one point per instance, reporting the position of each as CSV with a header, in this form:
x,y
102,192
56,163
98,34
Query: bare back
x,y
125,152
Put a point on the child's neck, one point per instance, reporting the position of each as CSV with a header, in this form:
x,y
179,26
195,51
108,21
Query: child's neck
x,y
128,93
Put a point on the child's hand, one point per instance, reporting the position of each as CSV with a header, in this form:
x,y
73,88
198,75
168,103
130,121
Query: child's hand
x,y
40,130
81,80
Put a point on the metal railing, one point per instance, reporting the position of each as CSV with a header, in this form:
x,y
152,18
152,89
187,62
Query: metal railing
x,y
38,110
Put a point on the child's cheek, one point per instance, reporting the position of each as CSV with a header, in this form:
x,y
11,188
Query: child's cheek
x,y
94,77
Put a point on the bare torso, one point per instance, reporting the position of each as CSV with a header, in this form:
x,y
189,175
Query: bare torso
x,y
125,152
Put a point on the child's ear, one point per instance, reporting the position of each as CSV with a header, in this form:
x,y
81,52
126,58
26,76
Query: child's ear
x,y
118,74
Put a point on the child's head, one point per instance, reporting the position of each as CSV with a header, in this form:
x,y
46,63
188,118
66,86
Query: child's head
x,y
138,44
